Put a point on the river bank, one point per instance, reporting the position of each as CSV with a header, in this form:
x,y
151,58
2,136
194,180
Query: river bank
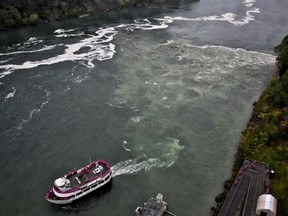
x,y
266,135
17,13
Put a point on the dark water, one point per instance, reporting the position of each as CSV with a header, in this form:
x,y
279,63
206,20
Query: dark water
x,y
161,93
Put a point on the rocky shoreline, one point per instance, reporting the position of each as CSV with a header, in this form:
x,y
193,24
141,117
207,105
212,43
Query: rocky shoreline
x,y
20,13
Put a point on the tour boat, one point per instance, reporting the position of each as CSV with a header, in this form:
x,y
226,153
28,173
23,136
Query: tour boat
x,y
78,183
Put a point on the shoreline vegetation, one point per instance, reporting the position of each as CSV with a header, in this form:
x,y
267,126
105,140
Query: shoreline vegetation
x,y
20,13
266,136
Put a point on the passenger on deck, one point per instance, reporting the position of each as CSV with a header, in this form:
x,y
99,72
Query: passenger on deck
x,y
254,165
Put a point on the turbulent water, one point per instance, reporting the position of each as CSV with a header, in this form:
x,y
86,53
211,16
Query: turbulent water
x,y
162,93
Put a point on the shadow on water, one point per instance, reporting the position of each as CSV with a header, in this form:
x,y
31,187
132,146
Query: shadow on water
x,y
85,203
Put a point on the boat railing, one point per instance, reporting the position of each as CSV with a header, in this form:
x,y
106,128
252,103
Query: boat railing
x,y
84,183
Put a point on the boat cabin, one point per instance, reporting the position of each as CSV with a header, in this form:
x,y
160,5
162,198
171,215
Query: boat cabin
x,y
62,184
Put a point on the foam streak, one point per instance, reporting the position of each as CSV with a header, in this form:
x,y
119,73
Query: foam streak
x,y
133,166
11,94
29,51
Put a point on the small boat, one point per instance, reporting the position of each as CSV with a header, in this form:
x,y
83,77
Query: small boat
x,y
78,183
154,207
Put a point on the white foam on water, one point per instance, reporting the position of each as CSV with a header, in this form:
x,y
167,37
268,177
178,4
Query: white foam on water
x,y
143,24
67,89
99,46
35,110
153,155
29,51
262,58
134,166
137,119
152,83
183,90
61,31
152,27
11,94
32,41
121,104
3,61
25,121
227,17
80,79
172,72
232,58
22,123
99,52
170,148
69,35
32,113
249,3
116,106
5,73
124,143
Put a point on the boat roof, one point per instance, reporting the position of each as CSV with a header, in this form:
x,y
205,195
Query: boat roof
x,y
80,178
153,207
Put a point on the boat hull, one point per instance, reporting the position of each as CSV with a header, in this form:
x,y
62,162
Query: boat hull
x,y
80,193
78,183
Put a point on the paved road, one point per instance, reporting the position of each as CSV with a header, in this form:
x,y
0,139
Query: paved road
x,y
247,187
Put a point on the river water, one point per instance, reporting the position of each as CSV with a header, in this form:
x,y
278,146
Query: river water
x,y
162,93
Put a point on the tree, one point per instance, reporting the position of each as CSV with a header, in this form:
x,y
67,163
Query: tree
x,y
282,56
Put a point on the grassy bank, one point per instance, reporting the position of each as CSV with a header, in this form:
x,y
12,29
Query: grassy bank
x,y
266,136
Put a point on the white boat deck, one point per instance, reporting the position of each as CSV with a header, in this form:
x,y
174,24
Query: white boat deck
x,y
81,179
78,183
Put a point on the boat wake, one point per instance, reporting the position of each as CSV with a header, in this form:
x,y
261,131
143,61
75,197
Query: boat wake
x,y
134,166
